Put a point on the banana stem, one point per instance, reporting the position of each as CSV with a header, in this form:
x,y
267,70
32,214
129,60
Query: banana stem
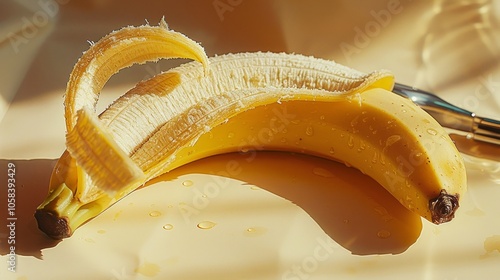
x,y
443,207
61,212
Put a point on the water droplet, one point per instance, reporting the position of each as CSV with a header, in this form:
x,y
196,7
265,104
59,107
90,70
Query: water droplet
x,y
206,225
101,231
375,158
187,183
230,135
167,226
362,145
155,213
410,206
346,221
332,151
432,131
255,188
408,184
255,231
309,131
350,142
383,234
392,139
492,244
117,215
283,140
322,117
469,136
295,121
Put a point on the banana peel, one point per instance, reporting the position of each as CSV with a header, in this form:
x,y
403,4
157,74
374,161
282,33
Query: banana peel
x,y
234,103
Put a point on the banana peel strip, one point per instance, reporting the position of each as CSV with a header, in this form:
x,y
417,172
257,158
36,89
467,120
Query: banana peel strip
x,y
98,157
109,167
100,62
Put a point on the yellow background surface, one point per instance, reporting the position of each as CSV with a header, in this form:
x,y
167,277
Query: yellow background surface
x,y
280,216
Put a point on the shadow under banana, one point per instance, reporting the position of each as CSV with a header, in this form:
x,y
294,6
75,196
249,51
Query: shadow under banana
x,y
31,183
353,209
349,206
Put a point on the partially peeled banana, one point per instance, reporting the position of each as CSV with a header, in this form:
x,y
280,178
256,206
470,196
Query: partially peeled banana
x,y
238,103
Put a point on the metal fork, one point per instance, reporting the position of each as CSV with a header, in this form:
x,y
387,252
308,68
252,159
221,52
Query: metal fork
x,y
482,135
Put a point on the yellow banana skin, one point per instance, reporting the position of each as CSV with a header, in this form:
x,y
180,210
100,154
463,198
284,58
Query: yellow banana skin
x,y
364,136
250,102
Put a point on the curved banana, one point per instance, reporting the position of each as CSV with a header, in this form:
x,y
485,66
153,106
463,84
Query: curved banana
x,y
240,103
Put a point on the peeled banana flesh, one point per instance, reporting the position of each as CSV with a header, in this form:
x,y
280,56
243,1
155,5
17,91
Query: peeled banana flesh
x,y
238,103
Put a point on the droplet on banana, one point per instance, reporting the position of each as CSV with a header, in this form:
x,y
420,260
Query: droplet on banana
x,y
238,102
